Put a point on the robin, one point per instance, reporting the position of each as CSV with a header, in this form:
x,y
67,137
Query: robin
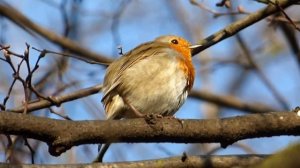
x,y
153,78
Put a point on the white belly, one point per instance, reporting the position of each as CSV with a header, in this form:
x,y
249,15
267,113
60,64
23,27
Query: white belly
x,y
153,86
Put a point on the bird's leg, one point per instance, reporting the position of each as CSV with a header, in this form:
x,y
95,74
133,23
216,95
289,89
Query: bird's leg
x,y
134,110
149,117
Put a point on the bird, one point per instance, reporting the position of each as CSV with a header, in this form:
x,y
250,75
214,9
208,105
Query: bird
x,y
153,78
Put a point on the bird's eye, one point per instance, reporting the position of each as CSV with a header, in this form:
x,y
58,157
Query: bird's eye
x,y
174,41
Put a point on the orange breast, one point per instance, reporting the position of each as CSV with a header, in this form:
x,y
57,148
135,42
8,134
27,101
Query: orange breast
x,y
186,63
189,71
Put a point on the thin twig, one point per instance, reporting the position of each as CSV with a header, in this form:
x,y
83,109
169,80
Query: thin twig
x,y
69,55
260,73
32,152
215,13
286,16
61,115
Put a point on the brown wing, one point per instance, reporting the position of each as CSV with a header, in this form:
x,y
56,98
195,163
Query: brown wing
x,y
115,69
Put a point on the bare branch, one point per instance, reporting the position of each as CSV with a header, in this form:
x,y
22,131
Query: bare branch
x,y
57,100
228,31
66,55
18,18
61,135
227,101
239,25
260,72
224,161
285,15
231,101
216,13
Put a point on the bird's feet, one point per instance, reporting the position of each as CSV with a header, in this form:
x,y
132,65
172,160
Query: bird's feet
x,y
152,118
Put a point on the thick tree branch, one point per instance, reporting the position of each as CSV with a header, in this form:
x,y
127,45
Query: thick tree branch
x,y
239,25
61,135
225,161
21,20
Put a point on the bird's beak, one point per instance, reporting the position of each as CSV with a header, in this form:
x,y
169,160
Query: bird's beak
x,y
195,49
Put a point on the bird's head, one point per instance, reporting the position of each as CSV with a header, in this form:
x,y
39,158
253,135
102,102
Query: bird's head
x,y
179,44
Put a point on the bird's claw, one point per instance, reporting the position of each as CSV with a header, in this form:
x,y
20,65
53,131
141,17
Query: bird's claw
x,y
151,118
